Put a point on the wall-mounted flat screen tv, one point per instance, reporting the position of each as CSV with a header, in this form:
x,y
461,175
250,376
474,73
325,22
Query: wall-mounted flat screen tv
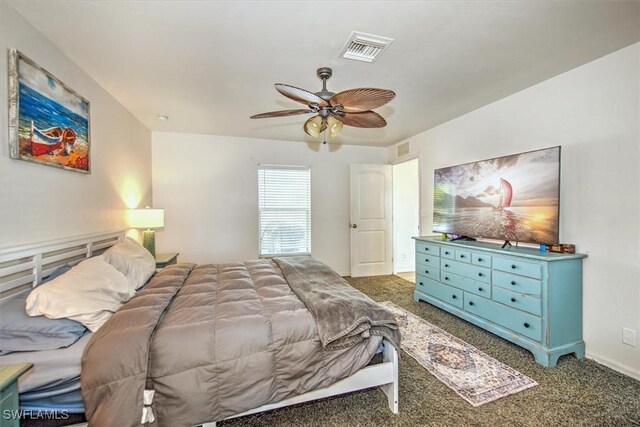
x,y
513,198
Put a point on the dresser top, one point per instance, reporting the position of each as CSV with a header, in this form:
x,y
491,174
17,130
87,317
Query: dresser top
x,y
495,248
10,373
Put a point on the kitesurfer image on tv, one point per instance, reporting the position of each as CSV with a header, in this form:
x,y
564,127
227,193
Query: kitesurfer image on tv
x,y
515,198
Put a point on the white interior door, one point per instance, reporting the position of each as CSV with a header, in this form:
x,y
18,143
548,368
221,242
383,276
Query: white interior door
x,y
371,224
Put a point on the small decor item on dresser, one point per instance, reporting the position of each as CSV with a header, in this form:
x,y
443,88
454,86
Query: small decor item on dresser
x,y
146,219
48,121
564,248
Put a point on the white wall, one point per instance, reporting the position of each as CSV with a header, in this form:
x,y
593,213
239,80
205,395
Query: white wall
x,y
593,113
208,186
406,216
40,203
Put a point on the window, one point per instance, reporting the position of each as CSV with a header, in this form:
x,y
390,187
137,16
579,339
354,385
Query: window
x,y
284,204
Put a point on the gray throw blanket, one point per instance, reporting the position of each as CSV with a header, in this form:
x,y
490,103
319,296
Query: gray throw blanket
x,y
344,315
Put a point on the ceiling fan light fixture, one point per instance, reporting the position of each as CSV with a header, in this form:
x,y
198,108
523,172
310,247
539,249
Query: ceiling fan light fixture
x,y
351,107
334,126
313,126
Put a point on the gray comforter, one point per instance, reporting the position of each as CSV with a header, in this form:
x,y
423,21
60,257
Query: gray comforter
x,y
213,341
344,316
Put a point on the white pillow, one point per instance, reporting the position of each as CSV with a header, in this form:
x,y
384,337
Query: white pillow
x,y
133,260
88,293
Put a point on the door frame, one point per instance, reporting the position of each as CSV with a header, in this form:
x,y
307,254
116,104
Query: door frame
x,y
398,161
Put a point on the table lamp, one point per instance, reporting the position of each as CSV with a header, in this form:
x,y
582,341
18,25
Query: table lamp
x,y
146,219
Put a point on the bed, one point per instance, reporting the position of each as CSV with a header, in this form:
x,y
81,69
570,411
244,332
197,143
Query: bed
x,y
165,393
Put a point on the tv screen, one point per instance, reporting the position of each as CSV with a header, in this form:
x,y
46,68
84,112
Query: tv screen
x,y
514,198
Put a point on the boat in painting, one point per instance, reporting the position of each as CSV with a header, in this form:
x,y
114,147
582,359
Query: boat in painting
x,y
49,140
506,192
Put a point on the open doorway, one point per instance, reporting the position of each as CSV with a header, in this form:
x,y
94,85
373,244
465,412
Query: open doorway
x,y
406,217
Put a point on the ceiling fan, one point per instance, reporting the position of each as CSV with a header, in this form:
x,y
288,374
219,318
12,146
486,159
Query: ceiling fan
x,y
333,110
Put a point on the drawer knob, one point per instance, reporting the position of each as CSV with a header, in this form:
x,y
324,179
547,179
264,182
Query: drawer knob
x,y
513,282
513,266
446,265
480,289
426,249
446,278
462,256
426,271
480,274
513,300
421,284
454,296
470,302
426,260
479,259
526,325
446,252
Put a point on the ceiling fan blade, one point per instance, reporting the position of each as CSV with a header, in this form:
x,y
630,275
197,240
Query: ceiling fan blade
x,y
300,95
282,113
363,99
367,119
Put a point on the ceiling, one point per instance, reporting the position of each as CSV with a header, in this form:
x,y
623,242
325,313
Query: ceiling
x,y
211,65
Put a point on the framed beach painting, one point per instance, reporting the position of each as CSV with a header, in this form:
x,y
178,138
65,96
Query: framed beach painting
x,y
48,121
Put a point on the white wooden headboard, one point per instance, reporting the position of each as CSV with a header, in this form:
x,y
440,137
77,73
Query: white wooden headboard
x,y
22,267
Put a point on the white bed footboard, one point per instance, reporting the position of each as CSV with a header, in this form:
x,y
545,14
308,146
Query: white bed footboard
x,y
384,374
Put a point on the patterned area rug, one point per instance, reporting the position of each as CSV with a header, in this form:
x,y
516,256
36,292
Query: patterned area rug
x,y
473,375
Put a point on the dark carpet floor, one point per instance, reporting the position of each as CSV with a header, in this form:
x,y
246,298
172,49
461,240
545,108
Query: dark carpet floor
x,y
575,393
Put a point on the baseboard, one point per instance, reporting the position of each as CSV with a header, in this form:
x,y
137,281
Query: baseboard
x,y
623,369
405,270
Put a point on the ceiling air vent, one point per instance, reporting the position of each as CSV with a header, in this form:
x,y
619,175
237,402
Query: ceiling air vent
x,y
403,149
365,47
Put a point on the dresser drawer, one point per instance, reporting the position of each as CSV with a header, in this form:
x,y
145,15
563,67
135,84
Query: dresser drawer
x,y
427,271
463,256
521,302
428,259
481,259
516,283
427,248
446,252
471,271
445,293
518,267
510,318
467,284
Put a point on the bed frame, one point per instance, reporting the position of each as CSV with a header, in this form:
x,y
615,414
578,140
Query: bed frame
x,y
23,267
384,374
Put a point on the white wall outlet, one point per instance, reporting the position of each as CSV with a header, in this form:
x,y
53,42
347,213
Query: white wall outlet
x,y
629,337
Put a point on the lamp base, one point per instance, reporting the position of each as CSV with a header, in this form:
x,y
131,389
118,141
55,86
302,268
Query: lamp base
x,y
149,241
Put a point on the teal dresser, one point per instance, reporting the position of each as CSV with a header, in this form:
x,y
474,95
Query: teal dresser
x,y
9,397
531,298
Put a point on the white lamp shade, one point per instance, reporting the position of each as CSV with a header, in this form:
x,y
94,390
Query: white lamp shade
x,y
145,218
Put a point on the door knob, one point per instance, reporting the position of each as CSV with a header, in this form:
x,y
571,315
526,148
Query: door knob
x,y
354,225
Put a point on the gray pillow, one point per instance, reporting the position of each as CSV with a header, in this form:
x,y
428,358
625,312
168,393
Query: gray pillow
x,y
20,332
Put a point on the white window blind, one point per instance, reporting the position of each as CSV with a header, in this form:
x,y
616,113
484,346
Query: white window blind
x,y
284,205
